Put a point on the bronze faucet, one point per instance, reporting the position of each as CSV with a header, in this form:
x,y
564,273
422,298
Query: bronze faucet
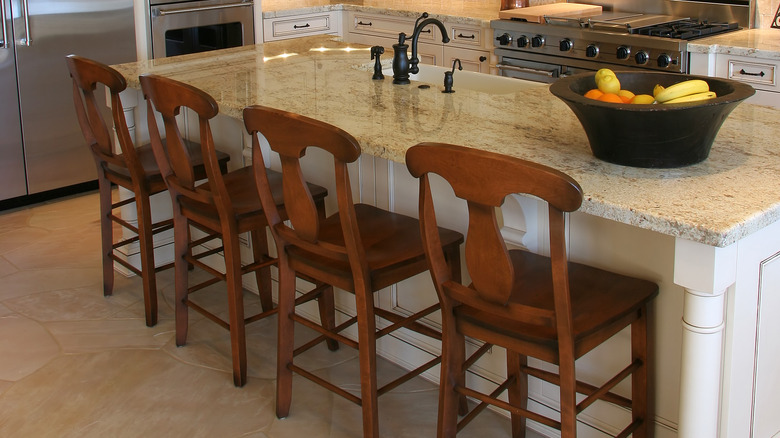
x,y
402,65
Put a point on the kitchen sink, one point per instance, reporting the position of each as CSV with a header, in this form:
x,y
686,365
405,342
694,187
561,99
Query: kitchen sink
x,y
467,80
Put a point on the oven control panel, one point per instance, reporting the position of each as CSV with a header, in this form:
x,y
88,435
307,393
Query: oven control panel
x,y
559,44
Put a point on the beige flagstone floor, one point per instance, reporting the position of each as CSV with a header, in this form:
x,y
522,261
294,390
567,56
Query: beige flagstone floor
x,y
74,363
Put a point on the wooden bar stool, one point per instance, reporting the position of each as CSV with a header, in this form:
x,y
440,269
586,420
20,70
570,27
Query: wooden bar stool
x,y
360,249
533,306
134,169
224,207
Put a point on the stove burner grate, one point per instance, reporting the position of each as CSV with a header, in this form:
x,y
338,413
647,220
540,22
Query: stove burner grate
x,y
685,30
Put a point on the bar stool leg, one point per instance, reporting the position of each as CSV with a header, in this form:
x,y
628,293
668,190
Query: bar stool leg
x,y
146,242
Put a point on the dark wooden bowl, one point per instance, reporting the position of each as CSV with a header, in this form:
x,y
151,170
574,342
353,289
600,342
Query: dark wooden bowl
x,y
650,135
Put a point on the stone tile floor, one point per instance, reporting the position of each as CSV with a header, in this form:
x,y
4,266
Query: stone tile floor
x,y
74,363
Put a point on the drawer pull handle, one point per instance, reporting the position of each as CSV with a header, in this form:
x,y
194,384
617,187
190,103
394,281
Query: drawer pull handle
x,y
743,72
301,27
472,36
360,23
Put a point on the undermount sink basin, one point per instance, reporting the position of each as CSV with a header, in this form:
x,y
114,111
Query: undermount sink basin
x,y
466,80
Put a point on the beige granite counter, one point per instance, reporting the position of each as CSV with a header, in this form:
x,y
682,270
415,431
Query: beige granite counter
x,y
755,43
733,193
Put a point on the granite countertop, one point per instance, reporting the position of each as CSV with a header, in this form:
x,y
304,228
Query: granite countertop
x,y
754,43
717,202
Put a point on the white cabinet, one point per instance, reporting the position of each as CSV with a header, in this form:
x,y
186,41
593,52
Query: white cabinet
x,y
766,399
383,30
469,43
471,60
294,26
760,73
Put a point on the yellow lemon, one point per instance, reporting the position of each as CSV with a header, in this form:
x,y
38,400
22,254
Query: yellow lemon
x,y
626,95
602,73
609,84
643,99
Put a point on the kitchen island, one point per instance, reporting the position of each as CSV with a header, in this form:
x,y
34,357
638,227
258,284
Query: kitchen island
x,y
706,233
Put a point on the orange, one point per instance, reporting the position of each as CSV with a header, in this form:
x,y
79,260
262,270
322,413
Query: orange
x,y
610,97
593,94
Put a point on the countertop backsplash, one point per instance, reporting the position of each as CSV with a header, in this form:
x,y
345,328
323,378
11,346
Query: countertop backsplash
x,y
765,13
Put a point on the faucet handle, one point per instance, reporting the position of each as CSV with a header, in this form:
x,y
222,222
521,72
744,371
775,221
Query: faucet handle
x,y
422,17
376,51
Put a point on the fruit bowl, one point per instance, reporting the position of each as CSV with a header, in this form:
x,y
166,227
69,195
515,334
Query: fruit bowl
x,y
650,135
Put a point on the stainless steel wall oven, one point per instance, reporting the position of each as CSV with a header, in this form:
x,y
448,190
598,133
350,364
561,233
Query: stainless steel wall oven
x,y
192,26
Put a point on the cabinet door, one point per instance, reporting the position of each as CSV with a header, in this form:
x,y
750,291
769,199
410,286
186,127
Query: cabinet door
x,y
429,54
766,398
472,60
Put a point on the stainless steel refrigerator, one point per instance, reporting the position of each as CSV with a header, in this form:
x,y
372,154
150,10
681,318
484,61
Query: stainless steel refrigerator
x,y
41,146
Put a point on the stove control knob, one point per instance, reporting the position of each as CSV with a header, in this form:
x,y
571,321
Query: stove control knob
x,y
565,45
623,52
537,41
592,51
522,41
664,60
504,39
641,58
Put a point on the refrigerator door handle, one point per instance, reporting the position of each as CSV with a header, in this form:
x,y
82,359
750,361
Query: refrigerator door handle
x,y
27,39
2,25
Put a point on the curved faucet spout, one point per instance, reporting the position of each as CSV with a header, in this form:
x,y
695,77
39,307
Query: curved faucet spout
x,y
416,35
402,65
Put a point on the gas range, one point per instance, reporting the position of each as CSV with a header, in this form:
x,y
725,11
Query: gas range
x,y
564,45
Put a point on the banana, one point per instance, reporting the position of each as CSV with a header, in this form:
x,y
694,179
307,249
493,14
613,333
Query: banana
x,y
657,89
694,97
680,89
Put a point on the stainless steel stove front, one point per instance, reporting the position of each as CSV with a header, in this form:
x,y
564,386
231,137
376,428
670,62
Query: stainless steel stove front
x,y
544,52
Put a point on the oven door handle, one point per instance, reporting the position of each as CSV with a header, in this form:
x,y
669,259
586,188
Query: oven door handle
x,y
549,73
163,12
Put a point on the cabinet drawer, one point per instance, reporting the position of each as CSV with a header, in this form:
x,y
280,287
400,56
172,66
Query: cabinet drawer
x,y
280,28
762,75
378,25
466,36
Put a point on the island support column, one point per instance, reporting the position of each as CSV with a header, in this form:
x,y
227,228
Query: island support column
x,y
705,272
